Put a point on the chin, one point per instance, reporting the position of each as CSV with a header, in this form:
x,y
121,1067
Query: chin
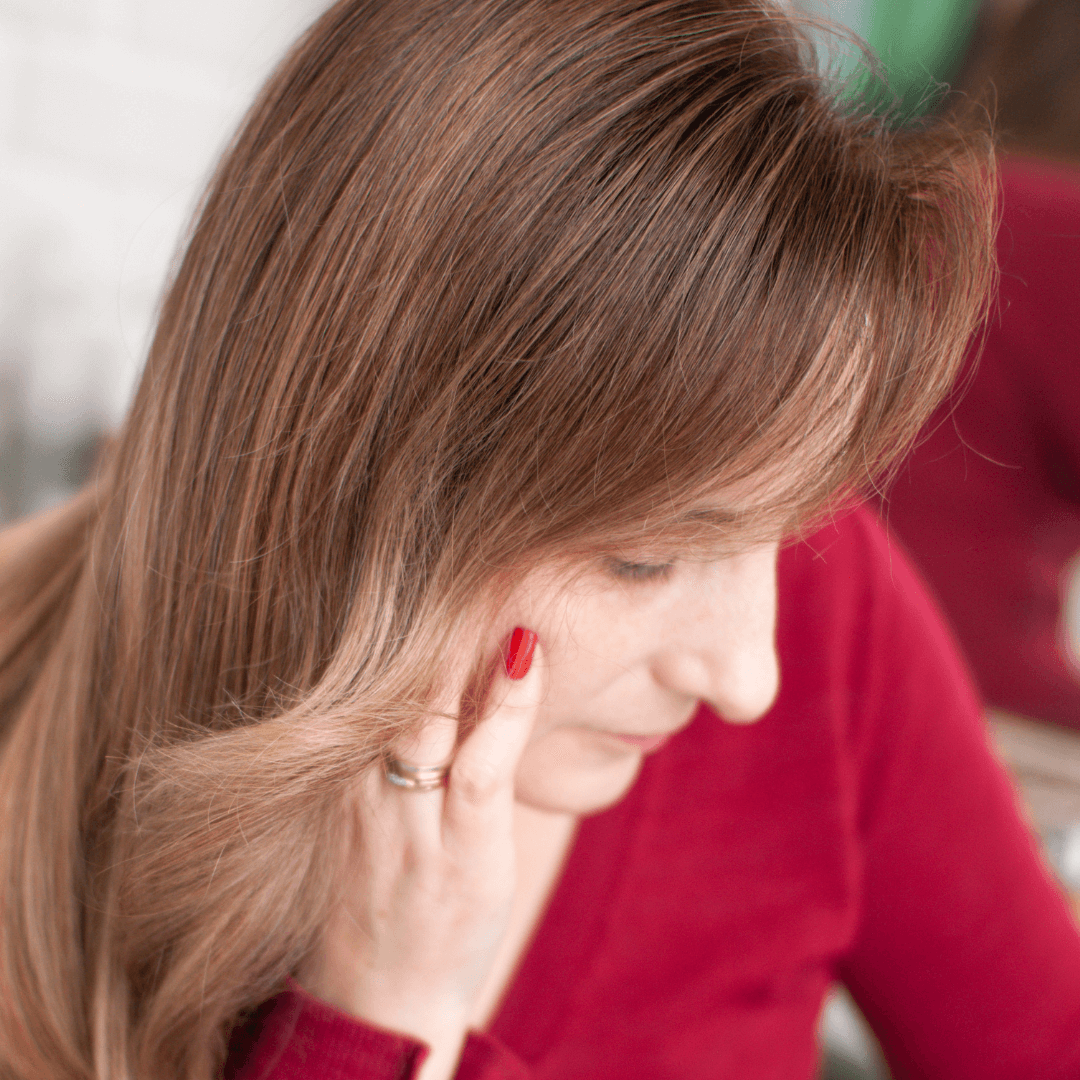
x,y
565,771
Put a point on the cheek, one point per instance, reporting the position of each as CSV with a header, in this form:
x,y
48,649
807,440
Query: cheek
x,y
570,770
592,644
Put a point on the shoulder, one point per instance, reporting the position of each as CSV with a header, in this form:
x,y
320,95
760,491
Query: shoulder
x,y
867,669
849,577
835,562
857,623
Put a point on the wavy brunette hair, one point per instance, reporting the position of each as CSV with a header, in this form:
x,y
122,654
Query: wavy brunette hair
x,y
479,283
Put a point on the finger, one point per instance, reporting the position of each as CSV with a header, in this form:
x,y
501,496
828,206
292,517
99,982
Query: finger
x,y
418,813
481,785
433,743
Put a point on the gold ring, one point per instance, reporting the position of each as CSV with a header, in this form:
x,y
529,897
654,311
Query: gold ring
x,y
415,777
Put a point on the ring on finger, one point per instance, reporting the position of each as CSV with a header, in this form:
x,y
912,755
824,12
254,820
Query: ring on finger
x,y
415,777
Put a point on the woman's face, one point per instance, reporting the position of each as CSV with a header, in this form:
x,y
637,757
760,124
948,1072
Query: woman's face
x,y
631,649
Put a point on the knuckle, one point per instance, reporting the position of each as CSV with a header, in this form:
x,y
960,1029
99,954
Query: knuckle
x,y
476,784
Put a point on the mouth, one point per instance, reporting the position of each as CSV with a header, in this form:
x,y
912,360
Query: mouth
x,y
647,744
644,744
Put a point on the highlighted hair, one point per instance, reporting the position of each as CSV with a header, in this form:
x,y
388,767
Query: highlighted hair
x,y
478,283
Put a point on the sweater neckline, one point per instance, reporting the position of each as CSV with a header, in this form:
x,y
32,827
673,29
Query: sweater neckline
x,y
556,967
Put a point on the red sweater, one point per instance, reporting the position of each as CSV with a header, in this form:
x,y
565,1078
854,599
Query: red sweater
x,y
861,830
989,505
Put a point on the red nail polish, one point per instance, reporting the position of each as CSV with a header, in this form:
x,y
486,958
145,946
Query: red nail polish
x,y
520,653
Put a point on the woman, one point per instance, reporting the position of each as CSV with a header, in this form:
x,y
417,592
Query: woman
x,y
527,330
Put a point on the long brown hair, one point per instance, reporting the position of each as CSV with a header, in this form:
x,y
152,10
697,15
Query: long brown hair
x,y
478,283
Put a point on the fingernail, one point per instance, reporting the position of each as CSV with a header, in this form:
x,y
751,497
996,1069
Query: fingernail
x,y
520,653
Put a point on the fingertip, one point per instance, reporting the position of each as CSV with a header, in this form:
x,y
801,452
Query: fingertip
x,y
519,653
526,677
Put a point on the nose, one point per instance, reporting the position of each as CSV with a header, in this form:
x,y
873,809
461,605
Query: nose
x,y
723,648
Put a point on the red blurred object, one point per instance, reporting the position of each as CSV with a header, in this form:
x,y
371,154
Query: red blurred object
x,y
989,504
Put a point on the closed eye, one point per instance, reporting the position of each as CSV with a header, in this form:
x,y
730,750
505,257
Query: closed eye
x,y
639,571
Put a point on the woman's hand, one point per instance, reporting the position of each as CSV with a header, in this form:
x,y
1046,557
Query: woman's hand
x,y
432,875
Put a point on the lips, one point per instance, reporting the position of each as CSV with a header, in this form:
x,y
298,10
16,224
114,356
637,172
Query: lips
x,y
647,744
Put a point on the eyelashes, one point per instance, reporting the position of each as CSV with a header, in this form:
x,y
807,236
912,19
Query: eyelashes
x,y
639,571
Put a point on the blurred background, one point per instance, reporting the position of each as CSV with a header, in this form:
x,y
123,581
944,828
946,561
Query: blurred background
x,y
111,115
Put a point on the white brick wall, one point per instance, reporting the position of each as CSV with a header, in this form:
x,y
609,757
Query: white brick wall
x,y
111,113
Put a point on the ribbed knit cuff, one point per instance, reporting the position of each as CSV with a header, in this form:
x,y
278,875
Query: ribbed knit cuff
x,y
296,1036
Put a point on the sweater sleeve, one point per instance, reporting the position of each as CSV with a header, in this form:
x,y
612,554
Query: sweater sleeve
x,y
967,960
296,1036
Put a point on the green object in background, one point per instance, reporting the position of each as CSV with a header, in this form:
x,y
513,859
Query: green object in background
x,y
920,44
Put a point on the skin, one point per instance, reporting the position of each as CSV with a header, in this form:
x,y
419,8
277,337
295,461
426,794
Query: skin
x,y
419,942
632,648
